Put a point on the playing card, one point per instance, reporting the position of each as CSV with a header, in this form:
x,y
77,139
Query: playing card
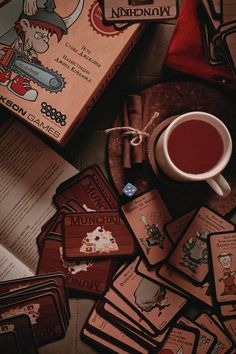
x,y
97,234
85,276
44,315
27,289
9,343
22,326
104,328
223,344
22,283
119,308
218,321
228,310
182,283
108,311
155,303
223,260
182,339
55,224
62,209
101,342
90,188
213,14
207,340
147,215
175,227
75,205
151,273
190,256
231,328
140,10
119,304
38,290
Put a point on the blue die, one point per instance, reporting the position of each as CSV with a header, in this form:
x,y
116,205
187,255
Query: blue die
x,y
129,190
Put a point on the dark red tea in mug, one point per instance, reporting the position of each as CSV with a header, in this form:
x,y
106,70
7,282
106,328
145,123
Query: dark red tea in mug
x,y
195,146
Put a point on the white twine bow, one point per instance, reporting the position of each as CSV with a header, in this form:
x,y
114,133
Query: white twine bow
x,y
138,135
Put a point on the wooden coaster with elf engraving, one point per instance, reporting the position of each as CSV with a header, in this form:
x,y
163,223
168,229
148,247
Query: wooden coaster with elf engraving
x,y
97,234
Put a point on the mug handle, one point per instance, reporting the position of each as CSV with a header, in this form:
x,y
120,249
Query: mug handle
x,y
219,184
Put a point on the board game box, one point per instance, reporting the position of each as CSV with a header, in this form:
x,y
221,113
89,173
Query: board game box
x,y
56,60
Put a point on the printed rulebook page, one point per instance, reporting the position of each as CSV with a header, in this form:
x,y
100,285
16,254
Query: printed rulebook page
x,y
30,172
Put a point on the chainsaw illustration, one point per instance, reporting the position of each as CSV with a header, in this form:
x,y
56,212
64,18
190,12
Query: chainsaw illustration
x,y
45,78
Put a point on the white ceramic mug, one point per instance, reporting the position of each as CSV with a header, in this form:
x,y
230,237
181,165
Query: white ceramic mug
x,y
194,139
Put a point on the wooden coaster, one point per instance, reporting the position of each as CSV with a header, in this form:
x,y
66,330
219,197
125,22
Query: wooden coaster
x,y
171,99
153,140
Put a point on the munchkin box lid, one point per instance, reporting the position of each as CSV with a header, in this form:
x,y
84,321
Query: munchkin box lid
x,y
56,59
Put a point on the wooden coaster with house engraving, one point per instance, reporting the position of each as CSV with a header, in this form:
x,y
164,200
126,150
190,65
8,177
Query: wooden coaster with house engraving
x,y
170,99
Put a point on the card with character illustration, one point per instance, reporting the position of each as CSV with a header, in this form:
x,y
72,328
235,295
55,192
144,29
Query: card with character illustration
x,y
182,339
174,228
190,256
155,303
104,328
223,344
223,259
182,283
147,214
117,306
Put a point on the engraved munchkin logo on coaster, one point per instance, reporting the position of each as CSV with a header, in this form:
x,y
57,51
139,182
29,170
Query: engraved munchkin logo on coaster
x,y
96,21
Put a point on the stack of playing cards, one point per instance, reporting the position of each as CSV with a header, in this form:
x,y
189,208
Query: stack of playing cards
x,y
87,236
33,311
188,260
219,32
121,13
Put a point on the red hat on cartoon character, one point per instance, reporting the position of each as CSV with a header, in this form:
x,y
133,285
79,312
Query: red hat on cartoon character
x,y
46,17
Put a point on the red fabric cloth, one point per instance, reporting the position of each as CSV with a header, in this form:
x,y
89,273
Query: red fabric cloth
x,y
185,52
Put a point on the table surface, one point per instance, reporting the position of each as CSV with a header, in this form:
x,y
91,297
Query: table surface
x,y
143,68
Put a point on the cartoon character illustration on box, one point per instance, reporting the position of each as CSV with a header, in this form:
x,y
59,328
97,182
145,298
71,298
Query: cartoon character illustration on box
x,y
99,240
74,267
229,275
19,61
155,237
195,250
149,295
